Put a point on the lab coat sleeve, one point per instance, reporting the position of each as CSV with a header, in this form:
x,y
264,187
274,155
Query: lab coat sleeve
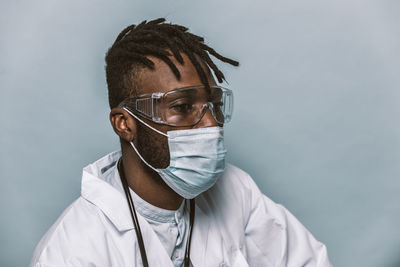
x,y
277,236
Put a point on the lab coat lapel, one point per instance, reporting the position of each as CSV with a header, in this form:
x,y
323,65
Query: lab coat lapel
x,y
114,205
207,247
155,251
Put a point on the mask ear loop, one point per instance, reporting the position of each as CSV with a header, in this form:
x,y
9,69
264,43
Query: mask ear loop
x,y
134,147
140,156
136,117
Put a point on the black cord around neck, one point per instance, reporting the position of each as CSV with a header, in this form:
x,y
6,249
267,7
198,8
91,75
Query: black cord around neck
x,y
136,221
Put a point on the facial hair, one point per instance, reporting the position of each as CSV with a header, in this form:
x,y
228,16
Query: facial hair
x,y
153,147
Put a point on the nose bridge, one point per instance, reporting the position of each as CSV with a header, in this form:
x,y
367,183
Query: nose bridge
x,y
208,119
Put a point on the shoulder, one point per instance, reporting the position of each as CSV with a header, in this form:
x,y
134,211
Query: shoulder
x,y
271,233
235,178
74,230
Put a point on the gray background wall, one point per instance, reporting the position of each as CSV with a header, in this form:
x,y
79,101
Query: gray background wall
x,y
315,122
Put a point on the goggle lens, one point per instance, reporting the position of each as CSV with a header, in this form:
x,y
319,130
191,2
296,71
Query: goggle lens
x,y
185,106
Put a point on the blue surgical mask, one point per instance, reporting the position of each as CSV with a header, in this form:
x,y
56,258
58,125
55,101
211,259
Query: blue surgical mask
x,y
197,159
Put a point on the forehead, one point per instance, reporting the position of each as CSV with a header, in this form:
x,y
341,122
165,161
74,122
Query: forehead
x,y
162,79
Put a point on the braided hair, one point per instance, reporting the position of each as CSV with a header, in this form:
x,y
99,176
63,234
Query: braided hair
x,y
155,38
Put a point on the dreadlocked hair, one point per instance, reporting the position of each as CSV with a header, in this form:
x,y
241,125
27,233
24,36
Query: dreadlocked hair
x,y
155,38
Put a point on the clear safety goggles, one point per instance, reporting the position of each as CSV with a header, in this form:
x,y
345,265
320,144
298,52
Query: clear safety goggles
x,y
183,106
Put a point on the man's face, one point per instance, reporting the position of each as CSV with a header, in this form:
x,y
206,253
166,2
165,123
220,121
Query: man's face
x,y
151,145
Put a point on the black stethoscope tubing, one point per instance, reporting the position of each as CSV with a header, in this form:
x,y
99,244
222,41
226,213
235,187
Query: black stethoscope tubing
x,y
136,221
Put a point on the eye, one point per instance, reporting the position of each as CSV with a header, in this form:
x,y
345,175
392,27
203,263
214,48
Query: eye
x,y
182,108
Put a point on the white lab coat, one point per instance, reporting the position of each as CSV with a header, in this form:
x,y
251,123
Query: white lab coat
x,y
235,225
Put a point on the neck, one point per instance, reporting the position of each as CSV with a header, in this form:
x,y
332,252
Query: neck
x,y
147,184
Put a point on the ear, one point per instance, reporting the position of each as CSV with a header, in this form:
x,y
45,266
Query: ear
x,y
123,123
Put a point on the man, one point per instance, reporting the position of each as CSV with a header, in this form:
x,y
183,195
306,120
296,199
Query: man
x,y
168,198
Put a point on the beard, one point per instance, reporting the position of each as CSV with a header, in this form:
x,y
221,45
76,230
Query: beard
x,y
153,147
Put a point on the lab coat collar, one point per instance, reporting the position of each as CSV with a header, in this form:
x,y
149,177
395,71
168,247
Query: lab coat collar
x,y
103,195
113,204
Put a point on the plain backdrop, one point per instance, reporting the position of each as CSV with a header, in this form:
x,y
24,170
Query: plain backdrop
x,y
316,119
